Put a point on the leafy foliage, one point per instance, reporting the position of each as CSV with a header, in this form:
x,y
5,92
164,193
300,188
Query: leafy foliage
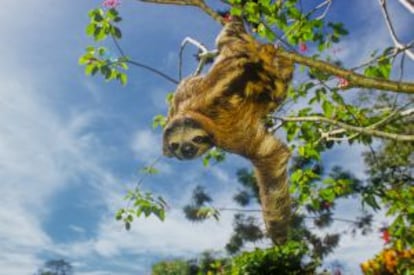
x,y
276,20
391,184
199,209
215,154
207,263
143,204
99,59
177,267
246,229
56,267
390,261
276,260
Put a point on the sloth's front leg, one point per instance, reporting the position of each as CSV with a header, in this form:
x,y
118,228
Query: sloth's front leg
x,y
270,162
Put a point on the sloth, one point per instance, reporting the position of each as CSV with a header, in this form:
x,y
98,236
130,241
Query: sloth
x,y
227,108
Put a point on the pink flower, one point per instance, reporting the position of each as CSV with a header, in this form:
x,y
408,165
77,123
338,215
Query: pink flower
x,y
303,47
227,17
386,236
342,82
112,4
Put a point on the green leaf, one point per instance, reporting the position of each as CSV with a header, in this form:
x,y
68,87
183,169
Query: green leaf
x,y
90,29
169,98
338,28
371,201
123,78
96,15
338,98
159,121
116,32
122,64
150,170
296,176
328,108
119,214
91,68
266,32
117,19
127,226
381,70
160,214
105,71
112,13
99,34
291,129
327,194
84,59
206,160
235,11
309,152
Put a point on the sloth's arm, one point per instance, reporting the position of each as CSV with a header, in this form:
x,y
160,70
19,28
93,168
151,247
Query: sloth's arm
x,y
270,162
233,31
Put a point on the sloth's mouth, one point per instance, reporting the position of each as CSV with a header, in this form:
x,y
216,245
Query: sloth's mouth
x,y
188,150
186,156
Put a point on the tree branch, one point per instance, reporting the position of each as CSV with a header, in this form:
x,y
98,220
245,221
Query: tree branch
x,y
354,79
195,3
368,130
328,4
408,4
383,4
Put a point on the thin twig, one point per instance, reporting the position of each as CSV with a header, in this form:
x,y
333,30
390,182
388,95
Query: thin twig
x,y
203,60
408,4
325,12
239,209
195,3
402,67
149,68
328,135
395,51
139,64
203,56
363,130
118,47
306,217
397,43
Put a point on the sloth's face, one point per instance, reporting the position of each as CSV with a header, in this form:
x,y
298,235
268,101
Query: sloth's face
x,y
185,139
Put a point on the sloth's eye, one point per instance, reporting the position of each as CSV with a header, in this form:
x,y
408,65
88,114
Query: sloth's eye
x,y
200,139
188,122
174,146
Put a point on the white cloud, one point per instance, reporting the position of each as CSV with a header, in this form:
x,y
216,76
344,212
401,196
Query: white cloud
x,y
39,154
77,229
175,236
146,145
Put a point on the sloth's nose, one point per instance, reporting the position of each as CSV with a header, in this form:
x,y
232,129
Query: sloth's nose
x,y
188,150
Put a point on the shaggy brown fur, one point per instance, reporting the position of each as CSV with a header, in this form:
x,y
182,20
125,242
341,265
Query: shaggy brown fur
x,y
226,108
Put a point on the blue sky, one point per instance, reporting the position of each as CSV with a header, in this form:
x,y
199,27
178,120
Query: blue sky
x,y
70,145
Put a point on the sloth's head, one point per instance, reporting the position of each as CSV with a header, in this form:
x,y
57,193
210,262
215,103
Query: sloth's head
x,y
184,138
